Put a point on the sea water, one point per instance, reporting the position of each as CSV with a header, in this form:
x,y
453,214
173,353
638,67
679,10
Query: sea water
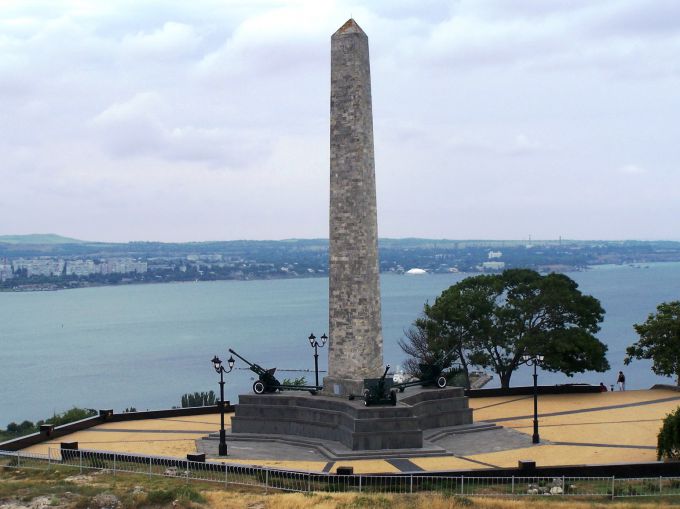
x,y
144,346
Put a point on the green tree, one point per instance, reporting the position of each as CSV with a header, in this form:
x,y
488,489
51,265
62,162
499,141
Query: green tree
x,y
198,399
72,415
668,440
423,344
24,428
493,320
659,340
453,326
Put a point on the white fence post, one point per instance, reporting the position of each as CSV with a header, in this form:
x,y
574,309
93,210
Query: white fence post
x,y
49,457
114,464
18,459
411,484
309,482
80,453
226,471
462,487
512,489
613,486
266,480
359,483
149,466
660,484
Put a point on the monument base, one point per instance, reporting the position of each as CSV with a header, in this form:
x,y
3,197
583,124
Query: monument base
x,y
351,423
342,387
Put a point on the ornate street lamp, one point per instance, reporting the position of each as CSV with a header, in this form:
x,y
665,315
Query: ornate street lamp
x,y
316,345
534,360
217,364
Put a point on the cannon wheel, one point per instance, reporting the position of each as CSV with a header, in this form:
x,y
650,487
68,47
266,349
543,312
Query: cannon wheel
x,y
258,387
402,389
441,382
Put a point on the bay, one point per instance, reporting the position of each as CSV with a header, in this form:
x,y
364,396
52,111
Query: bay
x,y
146,345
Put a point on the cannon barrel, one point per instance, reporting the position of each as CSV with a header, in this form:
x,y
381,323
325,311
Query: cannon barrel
x,y
244,360
255,368
385,373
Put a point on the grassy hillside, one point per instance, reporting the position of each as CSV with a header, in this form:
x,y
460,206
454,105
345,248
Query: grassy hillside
x,y
38,238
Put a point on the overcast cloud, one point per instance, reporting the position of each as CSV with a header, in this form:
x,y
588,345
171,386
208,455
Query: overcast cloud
x,y
208,120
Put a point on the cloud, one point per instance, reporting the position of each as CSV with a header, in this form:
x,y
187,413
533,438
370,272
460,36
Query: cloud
x,y
219,109
172,40
140,127
632,169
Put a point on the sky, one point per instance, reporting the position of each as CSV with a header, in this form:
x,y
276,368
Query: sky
x,y
209,120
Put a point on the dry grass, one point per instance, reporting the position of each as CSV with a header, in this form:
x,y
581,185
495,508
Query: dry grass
x,y
22,487
221,500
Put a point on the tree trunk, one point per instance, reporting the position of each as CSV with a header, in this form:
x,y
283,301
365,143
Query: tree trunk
x,y
505,379
467,376
466,370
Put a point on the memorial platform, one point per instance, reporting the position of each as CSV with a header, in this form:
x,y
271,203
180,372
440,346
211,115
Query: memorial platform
x,y
350,422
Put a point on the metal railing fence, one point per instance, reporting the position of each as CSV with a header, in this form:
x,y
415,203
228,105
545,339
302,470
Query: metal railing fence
x,y
83,461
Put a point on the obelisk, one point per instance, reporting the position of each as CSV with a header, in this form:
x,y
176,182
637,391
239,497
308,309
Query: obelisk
x,y
355,348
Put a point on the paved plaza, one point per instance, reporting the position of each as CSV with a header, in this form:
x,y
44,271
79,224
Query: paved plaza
x,y
612,427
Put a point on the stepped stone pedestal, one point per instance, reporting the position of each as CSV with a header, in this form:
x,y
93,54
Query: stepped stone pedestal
x,y
351,423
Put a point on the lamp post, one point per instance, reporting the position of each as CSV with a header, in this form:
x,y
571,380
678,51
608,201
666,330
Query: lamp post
x,y
534,360
217,364
316,345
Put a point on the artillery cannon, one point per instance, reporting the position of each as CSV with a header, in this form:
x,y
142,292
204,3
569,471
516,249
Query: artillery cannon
x,y
431,374
378,391
267,382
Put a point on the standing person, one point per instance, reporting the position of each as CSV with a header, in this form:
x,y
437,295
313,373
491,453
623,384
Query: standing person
x,y
621,381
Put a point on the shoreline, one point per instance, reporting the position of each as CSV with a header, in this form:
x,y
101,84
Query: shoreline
x,y
544,269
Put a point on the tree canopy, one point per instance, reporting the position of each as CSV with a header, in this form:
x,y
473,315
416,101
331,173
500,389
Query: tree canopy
x,y
659,340
491,321
668,439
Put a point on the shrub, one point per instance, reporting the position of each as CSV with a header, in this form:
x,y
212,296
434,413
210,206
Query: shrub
x,y
296,382
199,399
72,415
668,444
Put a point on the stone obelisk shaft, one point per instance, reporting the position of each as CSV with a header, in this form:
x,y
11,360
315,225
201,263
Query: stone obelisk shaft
x,y
355,347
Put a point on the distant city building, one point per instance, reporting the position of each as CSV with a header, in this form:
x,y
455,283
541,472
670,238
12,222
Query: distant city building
x,y
495,254
492,266
211,258
123,266
5,270
81,268
39,266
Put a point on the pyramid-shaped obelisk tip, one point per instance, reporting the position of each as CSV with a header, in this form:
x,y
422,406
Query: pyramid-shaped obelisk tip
x,y
350,27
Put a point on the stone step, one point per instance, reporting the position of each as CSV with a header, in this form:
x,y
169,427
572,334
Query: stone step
x,y
327,417
445,419
440,405
355,408
382,436
333,450
412,396
434,435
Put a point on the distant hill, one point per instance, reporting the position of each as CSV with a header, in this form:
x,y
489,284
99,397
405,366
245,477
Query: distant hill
x,y
39,238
